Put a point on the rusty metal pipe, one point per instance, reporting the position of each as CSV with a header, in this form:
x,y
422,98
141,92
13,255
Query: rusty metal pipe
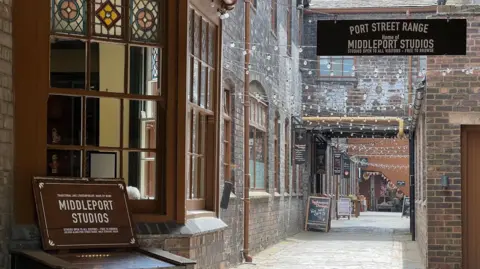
x,y
246,140
400,121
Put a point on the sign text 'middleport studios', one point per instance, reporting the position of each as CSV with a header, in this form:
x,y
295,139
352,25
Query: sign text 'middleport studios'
x,y
391,37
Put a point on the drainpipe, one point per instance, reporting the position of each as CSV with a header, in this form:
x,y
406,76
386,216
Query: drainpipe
x,y
246,140
400,121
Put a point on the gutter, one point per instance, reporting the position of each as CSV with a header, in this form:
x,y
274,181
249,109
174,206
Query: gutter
x,y
364,10
417,104
400,121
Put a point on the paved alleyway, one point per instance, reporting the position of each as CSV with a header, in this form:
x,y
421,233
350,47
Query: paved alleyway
x,y
374,240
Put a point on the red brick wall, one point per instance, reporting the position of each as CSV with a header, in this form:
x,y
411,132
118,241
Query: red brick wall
x,y
449,101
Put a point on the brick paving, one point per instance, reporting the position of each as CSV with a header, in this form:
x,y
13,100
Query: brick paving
x,y
374,240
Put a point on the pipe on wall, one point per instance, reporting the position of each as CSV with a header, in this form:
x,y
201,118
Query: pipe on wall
x,y
400,121
246,141
417,105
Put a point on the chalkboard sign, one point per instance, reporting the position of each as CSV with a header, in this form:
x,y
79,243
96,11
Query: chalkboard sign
x,y
406,207
318,213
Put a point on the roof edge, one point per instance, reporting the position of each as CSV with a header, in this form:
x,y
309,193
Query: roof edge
x,y
363,10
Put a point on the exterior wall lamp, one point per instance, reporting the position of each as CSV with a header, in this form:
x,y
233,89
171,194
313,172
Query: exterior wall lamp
x,y
444,182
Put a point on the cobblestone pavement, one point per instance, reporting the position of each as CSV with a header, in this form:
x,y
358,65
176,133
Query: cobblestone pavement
x,y
374,240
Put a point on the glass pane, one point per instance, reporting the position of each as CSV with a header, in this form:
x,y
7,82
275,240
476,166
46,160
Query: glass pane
x,y
252,157
103,164
212,40
324,71
139,124
347,66
196,35
142,67
145,20
69,16
64,120
195,82
191,23
337,67
103,122
205,41
259,160
155,62
139,171
107,67
200,188
64,163
193,132
67,63
193,177
108,18
211,84
203,87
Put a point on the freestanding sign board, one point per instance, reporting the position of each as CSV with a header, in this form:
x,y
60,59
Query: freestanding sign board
x,y
318,213
392,37
79,214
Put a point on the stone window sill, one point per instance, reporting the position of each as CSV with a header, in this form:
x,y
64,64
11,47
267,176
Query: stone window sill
x,y
259,195
194,214
338,79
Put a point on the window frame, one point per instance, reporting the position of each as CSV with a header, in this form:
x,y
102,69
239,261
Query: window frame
x,y
276,153
213,113
227,139
289,27
256,104
287,162
319,66
274,17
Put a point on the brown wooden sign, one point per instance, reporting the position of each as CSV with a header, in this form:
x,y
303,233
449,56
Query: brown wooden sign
x,y
77,214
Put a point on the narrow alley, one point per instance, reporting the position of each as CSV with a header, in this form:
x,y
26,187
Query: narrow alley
x,y
374,240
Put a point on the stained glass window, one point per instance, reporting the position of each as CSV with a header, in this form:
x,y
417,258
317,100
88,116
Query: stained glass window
x,y
144,20
68,16
154,63
108,18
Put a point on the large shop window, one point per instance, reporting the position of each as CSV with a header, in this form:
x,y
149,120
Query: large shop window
x,y
106,110
258,144
336,66
201,111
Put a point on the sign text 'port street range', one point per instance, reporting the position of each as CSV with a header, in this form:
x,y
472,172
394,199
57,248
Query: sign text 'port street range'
x,y
392,37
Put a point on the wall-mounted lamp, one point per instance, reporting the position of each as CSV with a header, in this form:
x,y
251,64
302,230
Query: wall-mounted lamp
x,y
444,182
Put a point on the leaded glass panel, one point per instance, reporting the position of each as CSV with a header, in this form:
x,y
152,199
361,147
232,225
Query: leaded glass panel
x,y
68,16
144,19
108,18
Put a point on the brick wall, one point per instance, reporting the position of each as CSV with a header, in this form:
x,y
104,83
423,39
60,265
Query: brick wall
x,y
381,93
6,129
272,216
449,102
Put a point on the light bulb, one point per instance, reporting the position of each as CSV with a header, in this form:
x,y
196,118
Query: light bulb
x,y
329,66
247,72
269,57
444,73
275,48
254,47
232,45
300,50
305,62
245,52
331,73
306,87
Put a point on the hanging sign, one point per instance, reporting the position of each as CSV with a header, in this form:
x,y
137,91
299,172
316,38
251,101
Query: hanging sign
x,y
76,214
392,37
300,146
337,163
346,167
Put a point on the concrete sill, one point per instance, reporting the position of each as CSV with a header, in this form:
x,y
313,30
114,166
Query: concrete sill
x,y
259,195
193,214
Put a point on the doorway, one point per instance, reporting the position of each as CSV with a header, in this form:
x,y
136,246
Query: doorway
x,y
470,152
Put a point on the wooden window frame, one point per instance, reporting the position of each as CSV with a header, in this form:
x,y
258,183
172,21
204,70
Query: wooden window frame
x,y
289,28
253,4
276,154
211,113
274,17
258,106
319,66
227,140
287,159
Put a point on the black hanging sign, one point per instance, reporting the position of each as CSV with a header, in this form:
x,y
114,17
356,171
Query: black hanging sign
x,y
346,167
392,37
300,146
337,163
